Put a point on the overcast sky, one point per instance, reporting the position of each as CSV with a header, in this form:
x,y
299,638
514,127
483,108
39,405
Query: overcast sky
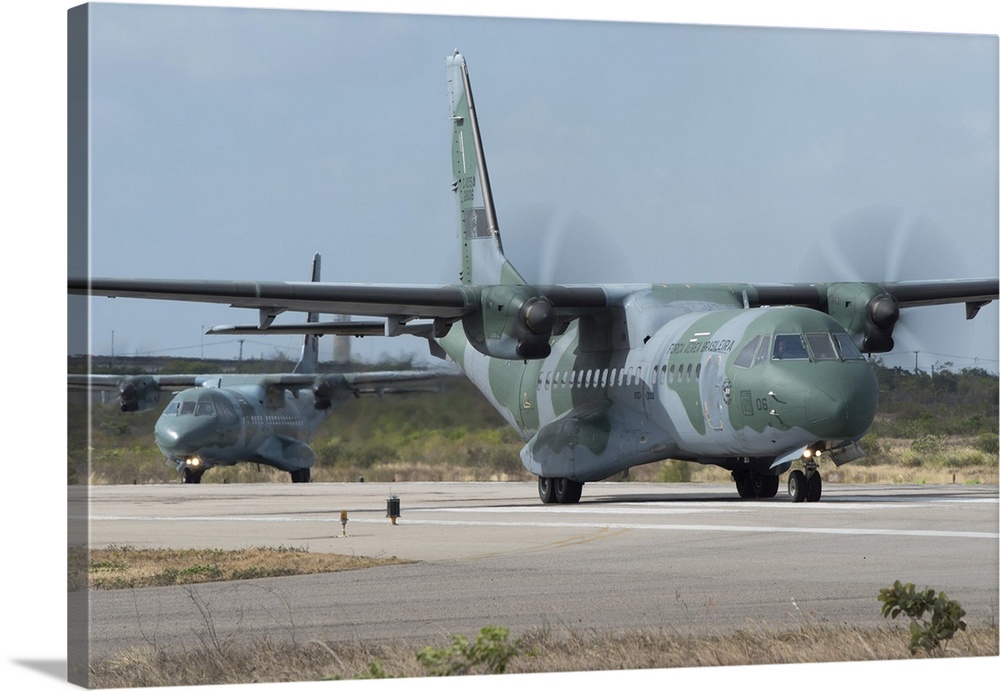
x,y
235,143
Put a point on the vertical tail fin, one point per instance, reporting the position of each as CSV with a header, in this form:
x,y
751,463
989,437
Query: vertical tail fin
x,y
309,361
483,261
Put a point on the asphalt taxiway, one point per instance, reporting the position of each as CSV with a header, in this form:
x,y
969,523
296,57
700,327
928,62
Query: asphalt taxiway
x,y
679,557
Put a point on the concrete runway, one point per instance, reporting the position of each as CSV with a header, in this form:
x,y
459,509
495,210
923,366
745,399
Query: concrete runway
x,y
679,557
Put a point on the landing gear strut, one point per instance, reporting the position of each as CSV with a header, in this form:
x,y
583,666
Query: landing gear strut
x,y
559,490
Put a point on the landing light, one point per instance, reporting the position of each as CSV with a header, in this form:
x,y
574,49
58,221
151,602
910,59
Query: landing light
x,y
194,461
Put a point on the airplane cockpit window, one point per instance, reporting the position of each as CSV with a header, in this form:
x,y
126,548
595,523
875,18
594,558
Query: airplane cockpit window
x,y
789,347
205,408
848,350
224,408
187,408
173,408
745,356
765,348
821,345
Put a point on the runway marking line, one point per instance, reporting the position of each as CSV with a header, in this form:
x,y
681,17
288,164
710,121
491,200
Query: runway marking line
x,y
566,525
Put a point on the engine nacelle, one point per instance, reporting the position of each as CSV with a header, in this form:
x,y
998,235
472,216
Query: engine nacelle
x,y
138,393
322,392
329,390
514,323
867,312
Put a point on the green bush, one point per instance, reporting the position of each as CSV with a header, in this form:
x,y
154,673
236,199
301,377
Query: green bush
x,y
489,654
988,442
946,615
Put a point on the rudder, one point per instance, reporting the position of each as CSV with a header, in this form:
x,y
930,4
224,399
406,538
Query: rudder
x,y
483,260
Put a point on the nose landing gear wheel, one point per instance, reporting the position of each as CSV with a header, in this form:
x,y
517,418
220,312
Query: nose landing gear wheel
x,y
814,486
797,486
807,486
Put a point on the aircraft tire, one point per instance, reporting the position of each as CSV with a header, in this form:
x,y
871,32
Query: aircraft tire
x,y
301,475
546,490
744,486
566,491
797,486
191,477
767,486
814,486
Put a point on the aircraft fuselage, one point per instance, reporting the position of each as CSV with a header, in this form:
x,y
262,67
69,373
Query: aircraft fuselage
x,y
681,376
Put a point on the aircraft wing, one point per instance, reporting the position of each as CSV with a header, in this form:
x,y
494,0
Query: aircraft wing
x,y
906,293
113,381
448,302
522,327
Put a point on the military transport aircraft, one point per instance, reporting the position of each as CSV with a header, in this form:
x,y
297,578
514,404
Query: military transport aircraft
x,y
599,378
224,419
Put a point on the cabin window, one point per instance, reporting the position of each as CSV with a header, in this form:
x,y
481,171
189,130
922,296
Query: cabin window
x,y
670,374
745,356
697,372
821,345
604,378
789,347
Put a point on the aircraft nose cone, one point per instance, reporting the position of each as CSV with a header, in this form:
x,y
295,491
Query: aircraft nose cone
x,y
184,435
843,408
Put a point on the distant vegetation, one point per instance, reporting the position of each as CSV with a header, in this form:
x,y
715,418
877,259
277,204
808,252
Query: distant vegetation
x,y
929,429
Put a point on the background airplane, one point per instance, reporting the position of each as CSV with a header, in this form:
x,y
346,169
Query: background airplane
x,y
599,378
224,419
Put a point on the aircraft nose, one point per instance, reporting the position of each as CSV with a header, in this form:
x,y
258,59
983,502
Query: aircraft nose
x,y
185,435
843,407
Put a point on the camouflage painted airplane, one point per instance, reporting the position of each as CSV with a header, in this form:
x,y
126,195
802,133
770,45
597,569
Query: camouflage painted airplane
x,y
224,419
600,378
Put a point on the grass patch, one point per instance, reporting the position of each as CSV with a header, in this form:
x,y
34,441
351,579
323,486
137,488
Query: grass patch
x,y
541,650
130,567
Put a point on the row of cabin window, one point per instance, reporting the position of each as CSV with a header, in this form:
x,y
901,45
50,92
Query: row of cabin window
x,y
592,379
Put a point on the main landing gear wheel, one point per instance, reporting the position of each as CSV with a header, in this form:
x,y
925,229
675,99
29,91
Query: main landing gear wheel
x,y
567,491
559,490
301,475
751,485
